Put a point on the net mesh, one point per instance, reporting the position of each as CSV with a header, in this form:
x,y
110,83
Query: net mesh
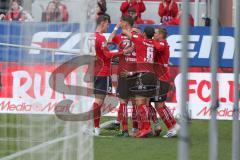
x,y
30,51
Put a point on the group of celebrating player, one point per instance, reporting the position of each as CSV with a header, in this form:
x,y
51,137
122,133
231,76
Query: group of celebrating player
x,y
143,76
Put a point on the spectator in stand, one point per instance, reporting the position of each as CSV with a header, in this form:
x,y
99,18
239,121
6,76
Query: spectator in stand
x,y
52,13
62,9
133,13
177,20
3,7
137,4
168,9
17,13
101,8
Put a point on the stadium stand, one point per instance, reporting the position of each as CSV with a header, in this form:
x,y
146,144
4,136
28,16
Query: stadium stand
x,y
55,12
138,5
168,9
16,12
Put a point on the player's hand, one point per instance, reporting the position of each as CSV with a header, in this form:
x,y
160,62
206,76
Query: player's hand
x,y
171,4
164,3
119,24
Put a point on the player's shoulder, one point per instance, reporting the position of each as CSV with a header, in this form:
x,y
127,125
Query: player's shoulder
x,y
162,42
100,36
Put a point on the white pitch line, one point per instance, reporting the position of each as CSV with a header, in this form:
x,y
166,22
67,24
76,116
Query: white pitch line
x,y
20,153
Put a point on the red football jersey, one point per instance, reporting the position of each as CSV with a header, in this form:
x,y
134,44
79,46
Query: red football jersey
x,y
101,69
162,60
145,52
125,61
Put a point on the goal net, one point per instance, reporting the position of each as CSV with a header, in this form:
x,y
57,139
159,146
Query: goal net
x,y
49,34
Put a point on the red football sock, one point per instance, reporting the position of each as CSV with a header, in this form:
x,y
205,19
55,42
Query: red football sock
x,y
120,113
167,117
144,118
134,117
173,120
147,123
152,114
123,116
96,114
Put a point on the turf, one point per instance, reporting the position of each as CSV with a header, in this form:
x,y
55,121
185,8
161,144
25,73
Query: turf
x,y
115,148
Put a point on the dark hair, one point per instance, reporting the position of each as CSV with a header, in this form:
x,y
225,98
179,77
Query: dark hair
x,y
102,5
162,31
149,31
132,10
103,18
108,16
128,19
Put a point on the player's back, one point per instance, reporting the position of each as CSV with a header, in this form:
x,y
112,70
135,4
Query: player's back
x,y
145,52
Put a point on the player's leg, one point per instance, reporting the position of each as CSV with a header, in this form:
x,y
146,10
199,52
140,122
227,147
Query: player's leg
x,y
101,88
144,124
145,90
134,116
153,117
123,117
123,110
164,112
99,99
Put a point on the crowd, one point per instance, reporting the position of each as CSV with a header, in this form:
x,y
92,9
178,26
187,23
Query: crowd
x,y
57,11
54,12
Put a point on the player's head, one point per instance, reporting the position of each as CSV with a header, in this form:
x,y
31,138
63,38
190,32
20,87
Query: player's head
x,y
103,22
137,29
133,13
160,34
148,32
127,22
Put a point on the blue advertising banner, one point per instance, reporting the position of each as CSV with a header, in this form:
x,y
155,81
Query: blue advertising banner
x,y
66,37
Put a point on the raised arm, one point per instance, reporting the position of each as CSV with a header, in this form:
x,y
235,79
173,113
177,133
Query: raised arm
x,y
124,7
114,32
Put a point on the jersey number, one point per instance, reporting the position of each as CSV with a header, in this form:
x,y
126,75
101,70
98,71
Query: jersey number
x,y
150,51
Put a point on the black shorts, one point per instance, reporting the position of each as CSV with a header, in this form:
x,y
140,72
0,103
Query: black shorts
x,y
161,93
102,85
124,83
145,85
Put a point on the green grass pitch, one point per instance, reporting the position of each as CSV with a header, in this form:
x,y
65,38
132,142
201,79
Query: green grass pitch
x,y
115,148
109,147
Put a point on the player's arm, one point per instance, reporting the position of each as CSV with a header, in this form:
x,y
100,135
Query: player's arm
x,y
114,32
111,54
